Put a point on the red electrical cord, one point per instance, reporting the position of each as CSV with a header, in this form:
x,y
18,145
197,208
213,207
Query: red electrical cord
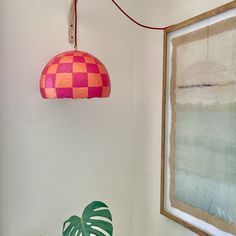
x,y
126,14
136,22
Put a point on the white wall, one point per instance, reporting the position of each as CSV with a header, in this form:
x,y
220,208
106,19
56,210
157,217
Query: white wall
x,y
57,156
148,99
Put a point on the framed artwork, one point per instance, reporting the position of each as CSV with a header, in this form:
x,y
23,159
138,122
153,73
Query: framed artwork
x,y
198,179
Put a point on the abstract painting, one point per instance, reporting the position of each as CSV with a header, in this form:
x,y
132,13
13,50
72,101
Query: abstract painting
x,y
199,156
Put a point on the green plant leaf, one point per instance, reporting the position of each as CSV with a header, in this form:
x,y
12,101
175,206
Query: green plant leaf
x,y
96,219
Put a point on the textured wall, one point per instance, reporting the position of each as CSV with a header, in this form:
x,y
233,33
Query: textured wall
x,y
57,156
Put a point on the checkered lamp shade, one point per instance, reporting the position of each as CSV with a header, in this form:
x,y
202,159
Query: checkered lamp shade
x,y
74,74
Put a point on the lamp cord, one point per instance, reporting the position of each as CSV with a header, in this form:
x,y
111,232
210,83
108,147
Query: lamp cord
x,y
123,11
136,22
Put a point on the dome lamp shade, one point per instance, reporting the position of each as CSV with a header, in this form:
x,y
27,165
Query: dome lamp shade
x,y
74,74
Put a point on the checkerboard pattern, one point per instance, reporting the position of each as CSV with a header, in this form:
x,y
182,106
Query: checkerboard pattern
x,y
74,74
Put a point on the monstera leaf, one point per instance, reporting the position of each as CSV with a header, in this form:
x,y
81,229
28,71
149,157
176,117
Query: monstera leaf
x,y
96,220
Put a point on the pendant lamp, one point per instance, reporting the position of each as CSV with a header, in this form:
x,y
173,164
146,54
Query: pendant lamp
x,y
74,74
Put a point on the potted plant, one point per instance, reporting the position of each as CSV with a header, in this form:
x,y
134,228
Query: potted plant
x,y
96,219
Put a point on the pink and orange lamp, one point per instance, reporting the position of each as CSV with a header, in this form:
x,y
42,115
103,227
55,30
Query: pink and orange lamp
x,y
74,74
77,74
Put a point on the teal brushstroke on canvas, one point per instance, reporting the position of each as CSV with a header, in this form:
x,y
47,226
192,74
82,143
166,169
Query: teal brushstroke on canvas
x,y
205,158
203,124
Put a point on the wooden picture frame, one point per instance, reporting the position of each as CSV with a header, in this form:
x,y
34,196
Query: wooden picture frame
x,y
198,222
